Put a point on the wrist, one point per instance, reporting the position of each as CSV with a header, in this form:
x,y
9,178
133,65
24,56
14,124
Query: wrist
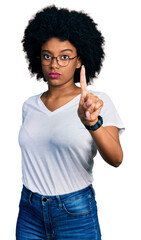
x,y
93,123
97,124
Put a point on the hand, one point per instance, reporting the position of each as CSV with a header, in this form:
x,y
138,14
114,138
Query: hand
x,y
89,105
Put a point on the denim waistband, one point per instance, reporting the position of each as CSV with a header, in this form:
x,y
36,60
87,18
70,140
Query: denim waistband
x,y
62,197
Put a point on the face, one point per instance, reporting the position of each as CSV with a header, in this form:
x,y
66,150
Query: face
x,y
55,74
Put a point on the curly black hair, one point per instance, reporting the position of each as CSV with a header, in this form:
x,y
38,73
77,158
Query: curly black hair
x,y
76,27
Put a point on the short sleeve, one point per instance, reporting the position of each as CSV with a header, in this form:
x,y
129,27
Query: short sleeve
x,y
109,113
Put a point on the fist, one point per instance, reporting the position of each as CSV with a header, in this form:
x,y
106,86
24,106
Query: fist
x,y
90,105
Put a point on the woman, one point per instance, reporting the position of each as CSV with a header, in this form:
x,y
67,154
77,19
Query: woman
x,y
63,128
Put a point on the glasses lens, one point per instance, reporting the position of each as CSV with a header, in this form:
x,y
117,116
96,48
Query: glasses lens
x,y
46,59
63,60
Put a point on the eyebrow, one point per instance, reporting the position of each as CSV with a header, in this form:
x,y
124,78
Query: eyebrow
x,y
60,51
67,50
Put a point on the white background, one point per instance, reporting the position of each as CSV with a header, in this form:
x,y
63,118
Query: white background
x,y
117,189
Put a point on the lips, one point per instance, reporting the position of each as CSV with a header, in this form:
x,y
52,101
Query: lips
x,y
54,75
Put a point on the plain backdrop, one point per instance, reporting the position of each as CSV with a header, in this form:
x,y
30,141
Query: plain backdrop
x,y
117,189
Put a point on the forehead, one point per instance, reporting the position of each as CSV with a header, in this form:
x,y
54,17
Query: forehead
x,y
55,45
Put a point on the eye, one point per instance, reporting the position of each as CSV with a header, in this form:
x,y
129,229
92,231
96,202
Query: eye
x,y
64,57
46,57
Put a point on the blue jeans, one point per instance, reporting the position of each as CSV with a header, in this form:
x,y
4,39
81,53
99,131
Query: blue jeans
x,y
68,216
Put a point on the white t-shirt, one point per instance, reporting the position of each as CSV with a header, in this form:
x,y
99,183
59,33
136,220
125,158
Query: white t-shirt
x,y
57,150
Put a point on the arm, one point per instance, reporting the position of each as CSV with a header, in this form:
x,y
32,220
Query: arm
x,y
105,138
108,144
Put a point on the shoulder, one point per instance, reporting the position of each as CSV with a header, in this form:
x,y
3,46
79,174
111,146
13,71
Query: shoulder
x,y
108,103
102,95
109,112
32,99
30,102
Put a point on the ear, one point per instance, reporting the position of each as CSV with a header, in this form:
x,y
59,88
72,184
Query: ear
x,y
79,62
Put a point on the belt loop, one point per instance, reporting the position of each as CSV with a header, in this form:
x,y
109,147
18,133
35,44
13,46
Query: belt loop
x,y
30,194
59,201
92,189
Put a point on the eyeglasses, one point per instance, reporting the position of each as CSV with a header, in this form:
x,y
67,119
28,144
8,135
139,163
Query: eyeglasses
x,y
62,60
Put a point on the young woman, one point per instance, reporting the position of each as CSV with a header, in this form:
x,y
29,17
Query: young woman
x,y
63,128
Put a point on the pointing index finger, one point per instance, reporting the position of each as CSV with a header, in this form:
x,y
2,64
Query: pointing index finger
x,y
83,82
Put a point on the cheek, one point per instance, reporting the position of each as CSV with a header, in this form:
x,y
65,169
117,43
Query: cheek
x,y
45,72
68,71
72,69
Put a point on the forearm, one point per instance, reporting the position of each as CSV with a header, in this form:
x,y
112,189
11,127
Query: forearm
x,y
108,147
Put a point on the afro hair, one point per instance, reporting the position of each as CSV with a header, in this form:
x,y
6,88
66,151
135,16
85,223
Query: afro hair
x,y
76,27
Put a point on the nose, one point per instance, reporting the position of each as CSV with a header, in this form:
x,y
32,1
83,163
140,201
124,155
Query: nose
x,y
54,62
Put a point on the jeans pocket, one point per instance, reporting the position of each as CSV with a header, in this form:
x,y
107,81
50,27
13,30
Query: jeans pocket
x,y
77,206
24,201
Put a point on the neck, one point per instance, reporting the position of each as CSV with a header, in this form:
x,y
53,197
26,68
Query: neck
x,y
62,91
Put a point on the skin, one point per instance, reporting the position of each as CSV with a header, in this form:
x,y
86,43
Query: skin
x,y
63,89
60,90
106,138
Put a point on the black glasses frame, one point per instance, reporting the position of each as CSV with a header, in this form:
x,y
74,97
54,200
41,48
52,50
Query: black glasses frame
x,y
57,61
